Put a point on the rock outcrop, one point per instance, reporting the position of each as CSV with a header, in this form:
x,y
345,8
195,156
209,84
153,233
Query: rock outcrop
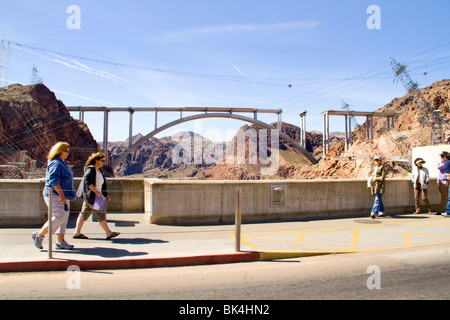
x,y
33,120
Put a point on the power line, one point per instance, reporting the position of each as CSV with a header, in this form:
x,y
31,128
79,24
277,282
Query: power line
x,y
269,81
153,69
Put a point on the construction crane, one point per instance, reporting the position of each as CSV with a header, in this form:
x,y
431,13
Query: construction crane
x,y
431,118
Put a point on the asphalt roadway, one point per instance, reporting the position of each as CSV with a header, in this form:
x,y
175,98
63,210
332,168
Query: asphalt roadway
x,y
142,245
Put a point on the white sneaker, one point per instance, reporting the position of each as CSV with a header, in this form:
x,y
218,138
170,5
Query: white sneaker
x,y
64,245
445,214
37,240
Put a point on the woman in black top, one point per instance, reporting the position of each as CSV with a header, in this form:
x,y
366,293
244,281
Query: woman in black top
x,y
94,196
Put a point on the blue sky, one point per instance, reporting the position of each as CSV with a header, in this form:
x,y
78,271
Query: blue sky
x,y
246,53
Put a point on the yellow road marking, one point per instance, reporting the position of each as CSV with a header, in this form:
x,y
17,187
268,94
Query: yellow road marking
x,y
382,226
299,235
408,242
299,239
355,240
251,245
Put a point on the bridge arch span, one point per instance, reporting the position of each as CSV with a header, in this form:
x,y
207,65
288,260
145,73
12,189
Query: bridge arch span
x,y
211,115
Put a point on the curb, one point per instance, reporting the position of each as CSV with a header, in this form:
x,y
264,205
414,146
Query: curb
x,y
278,255
63,265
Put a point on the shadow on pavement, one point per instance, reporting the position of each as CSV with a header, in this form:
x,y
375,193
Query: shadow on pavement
x,y
102,252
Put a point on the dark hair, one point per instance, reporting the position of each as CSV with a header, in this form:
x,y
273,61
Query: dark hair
x,y
95,156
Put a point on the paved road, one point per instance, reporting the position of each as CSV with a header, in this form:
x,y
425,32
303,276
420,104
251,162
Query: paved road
x,y
144,245
420,272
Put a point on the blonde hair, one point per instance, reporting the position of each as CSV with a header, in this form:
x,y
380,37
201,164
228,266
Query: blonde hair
x,y
95,156
57,149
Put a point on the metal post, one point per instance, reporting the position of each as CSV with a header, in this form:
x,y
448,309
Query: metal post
x,y
238,219
50,231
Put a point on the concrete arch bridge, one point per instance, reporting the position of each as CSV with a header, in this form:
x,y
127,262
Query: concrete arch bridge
x,y
203,113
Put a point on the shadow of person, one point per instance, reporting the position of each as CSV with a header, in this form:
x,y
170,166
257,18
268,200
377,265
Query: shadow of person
x,y
137,241
103,252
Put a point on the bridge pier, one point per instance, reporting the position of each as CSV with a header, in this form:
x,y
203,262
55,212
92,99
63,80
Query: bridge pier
x,y
105,135
348,125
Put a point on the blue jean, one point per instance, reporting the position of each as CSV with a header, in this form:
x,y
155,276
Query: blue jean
x,y
377,205
447,210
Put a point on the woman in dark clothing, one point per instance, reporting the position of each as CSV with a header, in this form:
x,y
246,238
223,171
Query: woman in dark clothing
x,y
94,196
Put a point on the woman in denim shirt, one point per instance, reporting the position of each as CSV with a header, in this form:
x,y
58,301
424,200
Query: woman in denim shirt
x,y
60,179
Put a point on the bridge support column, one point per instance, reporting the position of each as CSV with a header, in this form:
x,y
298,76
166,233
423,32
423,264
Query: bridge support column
x,y
326,133
279,123
346,133
105,135
130,133
303,129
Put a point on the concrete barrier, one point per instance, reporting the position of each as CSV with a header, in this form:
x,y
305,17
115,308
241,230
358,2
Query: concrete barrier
x,y
22,203
213,202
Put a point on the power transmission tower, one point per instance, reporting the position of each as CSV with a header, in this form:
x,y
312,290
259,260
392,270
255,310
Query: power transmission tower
x,y
35,79
5,49
353,123
431,118
346,107
2,49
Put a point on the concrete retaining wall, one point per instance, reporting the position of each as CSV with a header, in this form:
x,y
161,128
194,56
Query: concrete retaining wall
x,y
210,202
21,201
213,202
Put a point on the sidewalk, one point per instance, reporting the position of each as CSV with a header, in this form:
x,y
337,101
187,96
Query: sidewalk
x,y
141,245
